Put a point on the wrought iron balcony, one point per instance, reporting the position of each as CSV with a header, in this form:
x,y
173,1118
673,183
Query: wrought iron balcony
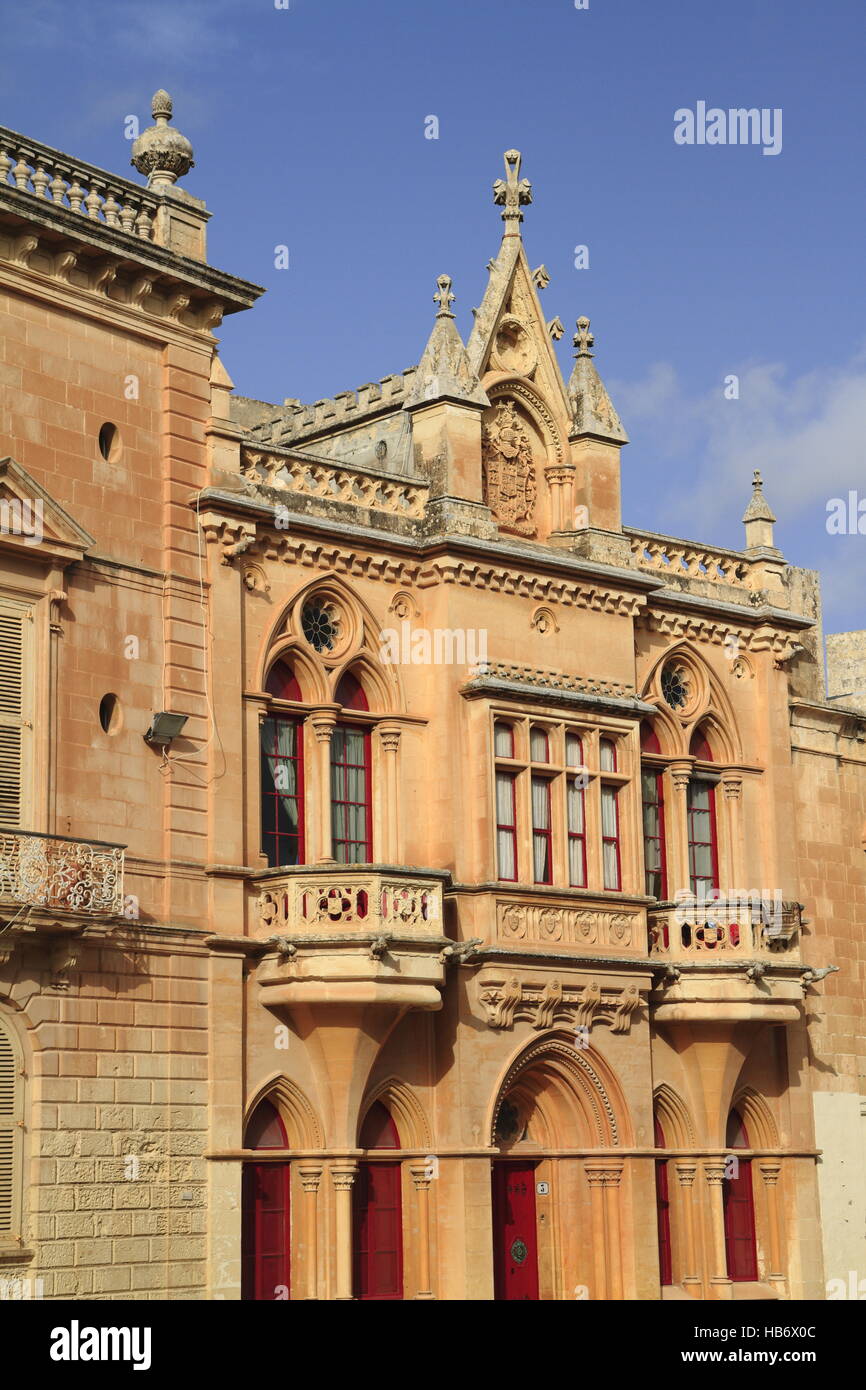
x,y
735,929
59,874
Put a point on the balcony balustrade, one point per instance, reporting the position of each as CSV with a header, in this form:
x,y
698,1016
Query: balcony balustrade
x,y
331,898
705,930
59,874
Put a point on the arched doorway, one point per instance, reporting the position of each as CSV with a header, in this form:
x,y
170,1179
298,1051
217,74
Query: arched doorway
x,y
378,1212
740,1243
266,1243
557,1182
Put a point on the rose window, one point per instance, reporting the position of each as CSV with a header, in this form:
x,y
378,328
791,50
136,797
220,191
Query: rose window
x,y
320,621
675,686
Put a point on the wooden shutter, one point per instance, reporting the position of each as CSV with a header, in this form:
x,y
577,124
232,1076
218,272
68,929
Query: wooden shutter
x,y
10,1136
15,714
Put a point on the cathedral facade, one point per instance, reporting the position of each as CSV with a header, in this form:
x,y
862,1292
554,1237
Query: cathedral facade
x,y
415,882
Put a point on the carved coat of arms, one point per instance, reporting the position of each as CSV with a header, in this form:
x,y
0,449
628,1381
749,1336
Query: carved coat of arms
x,y
509,473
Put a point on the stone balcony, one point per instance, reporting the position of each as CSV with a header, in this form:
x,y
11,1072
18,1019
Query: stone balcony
x,y
354,934
732,960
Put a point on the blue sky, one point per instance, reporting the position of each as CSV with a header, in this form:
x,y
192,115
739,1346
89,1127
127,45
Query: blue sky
x,y
309,130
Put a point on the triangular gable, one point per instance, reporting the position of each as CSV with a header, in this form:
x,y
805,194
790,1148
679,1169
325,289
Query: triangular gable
x,y
511,302
33,523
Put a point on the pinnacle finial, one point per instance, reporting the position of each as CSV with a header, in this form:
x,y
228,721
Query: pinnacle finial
x,y
512,193
161,152
444,298
583,339
757,480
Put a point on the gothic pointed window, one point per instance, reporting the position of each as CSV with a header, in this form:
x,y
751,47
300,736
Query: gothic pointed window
x,y
663,1208
739,1206
377,1211
351,791
701,810
265,1212
282,772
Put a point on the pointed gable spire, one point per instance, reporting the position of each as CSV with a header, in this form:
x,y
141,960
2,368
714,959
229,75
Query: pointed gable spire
x,y
758,517
592,408
512,193
444,372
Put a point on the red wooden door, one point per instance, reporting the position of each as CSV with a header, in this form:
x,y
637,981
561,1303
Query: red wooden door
x,y
515,1248
378,1232
663,1208
266,1242
740,1243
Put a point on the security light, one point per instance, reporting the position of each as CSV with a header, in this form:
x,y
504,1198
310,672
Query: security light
x,y
164,727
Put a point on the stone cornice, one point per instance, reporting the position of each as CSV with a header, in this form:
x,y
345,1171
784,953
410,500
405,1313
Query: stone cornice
x,y
493,687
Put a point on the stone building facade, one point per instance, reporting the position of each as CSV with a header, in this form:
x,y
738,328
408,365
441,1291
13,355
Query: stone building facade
x,y
468,935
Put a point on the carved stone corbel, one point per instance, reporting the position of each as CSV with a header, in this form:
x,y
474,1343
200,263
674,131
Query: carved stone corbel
x,y
140,290
64,263
23,247
550,1001
501,1003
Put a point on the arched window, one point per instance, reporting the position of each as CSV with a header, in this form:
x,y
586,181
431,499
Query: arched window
x,y
703,842
663,1207
11,1136
378,1212
265,1211
351,790
740,1243
282,772
609,816
653,799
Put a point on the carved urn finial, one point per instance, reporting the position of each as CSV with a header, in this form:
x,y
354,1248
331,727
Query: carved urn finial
x,y
160,152
512,193
444,298
583,339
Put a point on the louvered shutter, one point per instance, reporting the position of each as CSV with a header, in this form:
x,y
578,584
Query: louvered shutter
x,y
10,1135
15,726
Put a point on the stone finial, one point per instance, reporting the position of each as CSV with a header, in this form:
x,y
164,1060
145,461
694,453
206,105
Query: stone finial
x,y
592,409
583,339
512,193
443,297
758,517
162,154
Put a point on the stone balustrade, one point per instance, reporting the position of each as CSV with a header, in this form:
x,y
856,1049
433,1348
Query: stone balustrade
x,y
725,929
346,898
76,186
687,560
57,874
335,482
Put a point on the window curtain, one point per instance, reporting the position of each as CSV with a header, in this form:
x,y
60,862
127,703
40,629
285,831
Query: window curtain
x,y
609,837
576,826
279,746
349,796
541,822
505,818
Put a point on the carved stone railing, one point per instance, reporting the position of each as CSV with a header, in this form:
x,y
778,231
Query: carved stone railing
x,y
335,482
727,929
344,898
687,560
48,871
52,177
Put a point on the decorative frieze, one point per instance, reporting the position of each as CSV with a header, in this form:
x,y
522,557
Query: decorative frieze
x,y
552,1003
573,926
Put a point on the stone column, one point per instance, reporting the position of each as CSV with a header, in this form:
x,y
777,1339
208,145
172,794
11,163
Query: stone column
x,y
732,787
421,1178
343,1175
596,1179
323,723
676,829
613,1244
770,1170
714,1172
310,1175
685,1171
560,484
390,851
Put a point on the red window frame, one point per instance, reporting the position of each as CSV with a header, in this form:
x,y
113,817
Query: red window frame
x,y
269,812
542,835
695,879
505,828
578,836
612,839
338,842
659,840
